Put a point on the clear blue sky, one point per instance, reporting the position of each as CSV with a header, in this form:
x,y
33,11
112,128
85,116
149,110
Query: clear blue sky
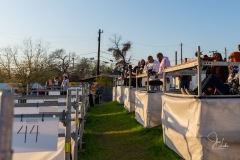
x,y
151,25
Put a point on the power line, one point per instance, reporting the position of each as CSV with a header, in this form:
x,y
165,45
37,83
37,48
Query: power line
x,y
148,45
107,58
88,53
105,52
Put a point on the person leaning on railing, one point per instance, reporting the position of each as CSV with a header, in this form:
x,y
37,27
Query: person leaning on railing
x,y
164,63
140,71
231,87
153,67
135,72
57,83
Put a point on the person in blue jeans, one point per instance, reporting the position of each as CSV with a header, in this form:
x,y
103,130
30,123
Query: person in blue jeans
x,y
185,79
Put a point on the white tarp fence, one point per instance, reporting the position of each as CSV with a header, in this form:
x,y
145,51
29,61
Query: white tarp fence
x,y
148,108
129,99
114,94
51,155
35,134
202,128
120,94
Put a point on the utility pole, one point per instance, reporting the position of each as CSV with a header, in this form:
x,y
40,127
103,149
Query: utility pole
x,y
181,52
99,41
175,57
225,52
73,62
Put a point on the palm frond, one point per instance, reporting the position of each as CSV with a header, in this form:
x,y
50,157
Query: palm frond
x,y
127,46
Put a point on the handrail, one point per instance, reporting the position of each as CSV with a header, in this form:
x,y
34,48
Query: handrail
x,y
64,116
46,104
41,97
198,63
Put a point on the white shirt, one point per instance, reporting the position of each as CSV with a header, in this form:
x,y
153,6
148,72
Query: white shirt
x,y
155,67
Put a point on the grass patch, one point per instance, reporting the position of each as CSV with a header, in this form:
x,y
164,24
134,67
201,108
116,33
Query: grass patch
x,y
111,132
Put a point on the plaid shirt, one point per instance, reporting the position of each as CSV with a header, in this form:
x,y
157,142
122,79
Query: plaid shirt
x,y
233,81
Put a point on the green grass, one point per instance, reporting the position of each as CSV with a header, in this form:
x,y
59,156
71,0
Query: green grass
x,y
111,132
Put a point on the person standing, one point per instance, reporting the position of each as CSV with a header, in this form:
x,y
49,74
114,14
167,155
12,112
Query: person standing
x,y
152,69
65,82
134,73
164,63
185,80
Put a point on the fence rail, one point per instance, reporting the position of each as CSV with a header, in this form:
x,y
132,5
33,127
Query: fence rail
x,y
74,112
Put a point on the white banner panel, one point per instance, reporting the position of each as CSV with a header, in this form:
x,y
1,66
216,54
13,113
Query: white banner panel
x,y
48,155
35,135
120,94
148,108
26,110
55,93
34,101
129,99
114,93
202,128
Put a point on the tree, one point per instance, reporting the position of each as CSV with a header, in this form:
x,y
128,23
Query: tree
x,y
29,63
60,60
120,53
6,61
84,68
104,80
104,69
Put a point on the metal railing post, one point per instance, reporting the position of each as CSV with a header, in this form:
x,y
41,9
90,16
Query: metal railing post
x,y
147,80
76,125
82,115
199,68
68,127
6,122
27,89
164,82
130,78
136,80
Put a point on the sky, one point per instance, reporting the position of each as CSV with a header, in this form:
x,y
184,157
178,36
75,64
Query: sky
x,y
152,26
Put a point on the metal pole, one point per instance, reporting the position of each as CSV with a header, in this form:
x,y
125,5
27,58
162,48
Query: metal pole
x,y
99,41
136,80
175,79
27,89
76,126
164,82
68,127
147,80
82,116
45,88
130,78
181,53
199,73
6,121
